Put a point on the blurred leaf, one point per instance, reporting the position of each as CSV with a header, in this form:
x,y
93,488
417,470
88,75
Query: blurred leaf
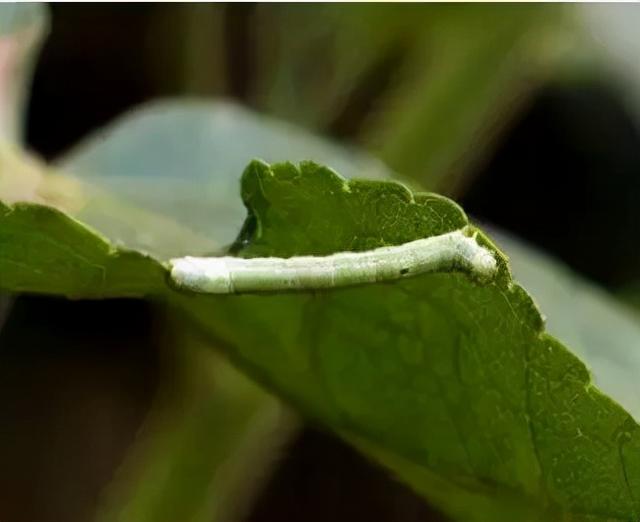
x,y
188,55
180,160
207,445
471,71
611,40
22,26
426,87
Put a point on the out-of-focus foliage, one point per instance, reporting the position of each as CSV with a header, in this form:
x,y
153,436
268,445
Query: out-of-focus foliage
x,y
21,29
207,446
192,180
425,87
611,33
428,88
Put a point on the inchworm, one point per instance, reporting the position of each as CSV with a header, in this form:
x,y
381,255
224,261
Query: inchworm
x,y
234,275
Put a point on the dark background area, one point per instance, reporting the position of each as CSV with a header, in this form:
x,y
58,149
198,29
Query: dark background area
x,y
571,158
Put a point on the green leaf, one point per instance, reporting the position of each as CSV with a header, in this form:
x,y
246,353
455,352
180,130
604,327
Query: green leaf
x,y
425,87
575,312
147,183
450,382
46,251
180,161
147,191
43,249
21,30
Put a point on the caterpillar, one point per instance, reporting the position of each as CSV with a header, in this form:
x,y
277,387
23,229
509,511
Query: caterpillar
x,y
234,275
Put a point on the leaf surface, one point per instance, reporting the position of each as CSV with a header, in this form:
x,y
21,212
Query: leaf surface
x,y
450,382
575,311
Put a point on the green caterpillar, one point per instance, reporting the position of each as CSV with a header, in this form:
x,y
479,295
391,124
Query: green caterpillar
x,y
234,275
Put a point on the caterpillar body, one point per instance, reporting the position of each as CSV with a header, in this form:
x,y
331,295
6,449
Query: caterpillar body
x,y
233,275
